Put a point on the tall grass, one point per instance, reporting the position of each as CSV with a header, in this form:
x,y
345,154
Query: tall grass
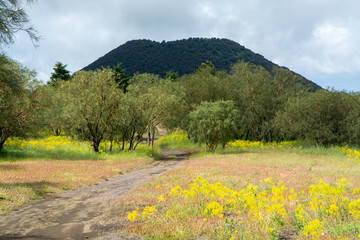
x,y
66,148
177,140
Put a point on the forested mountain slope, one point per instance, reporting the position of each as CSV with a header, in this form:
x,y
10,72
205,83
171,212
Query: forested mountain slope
x,y
181,56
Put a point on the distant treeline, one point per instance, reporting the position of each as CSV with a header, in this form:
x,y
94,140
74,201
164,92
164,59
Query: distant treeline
x,y
182,57
214,106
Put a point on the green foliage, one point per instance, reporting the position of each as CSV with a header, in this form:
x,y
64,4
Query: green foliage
x,y
149,101
213,123
206,84
18,99
259,96
60,74
12,20
90,102
51,115
182,57
324,117
121,78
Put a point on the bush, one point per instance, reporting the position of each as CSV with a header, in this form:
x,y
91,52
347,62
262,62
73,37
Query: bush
x,y
213,123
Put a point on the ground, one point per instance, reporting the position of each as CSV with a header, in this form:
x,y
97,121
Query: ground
x,y
84,213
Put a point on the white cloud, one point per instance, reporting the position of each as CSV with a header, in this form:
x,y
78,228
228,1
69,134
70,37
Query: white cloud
x,y
312,37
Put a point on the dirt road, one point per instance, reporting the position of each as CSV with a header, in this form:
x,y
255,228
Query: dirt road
x,y
79,214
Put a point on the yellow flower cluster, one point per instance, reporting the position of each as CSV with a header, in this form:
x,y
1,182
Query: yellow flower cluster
x,y
314,229
133,216
270,205
174,138
214,209
246,144
146,213
352,154
50,143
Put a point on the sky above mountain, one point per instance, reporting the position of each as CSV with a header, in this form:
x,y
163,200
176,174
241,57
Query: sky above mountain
x,y
318,39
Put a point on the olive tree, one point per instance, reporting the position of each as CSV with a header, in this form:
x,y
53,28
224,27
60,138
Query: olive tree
x,y
259,95
324,117
18,99
213,123
91,99
148,101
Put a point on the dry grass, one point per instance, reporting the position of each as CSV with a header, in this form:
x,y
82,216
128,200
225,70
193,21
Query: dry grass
x,y
23,181
296,170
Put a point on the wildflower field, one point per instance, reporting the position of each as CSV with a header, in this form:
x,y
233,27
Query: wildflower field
x,y
249,190
265,191
36,168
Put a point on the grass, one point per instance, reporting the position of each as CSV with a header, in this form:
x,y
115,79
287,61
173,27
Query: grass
x,y
66,148
177,140
25,180
250,190
36,168
298,168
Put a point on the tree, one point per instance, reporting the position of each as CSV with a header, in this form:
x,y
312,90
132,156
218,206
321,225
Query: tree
x,y
14,19
52,109
259,96
324,117
91,99
213,123
18,99
206,84
149,101
60,74
121,79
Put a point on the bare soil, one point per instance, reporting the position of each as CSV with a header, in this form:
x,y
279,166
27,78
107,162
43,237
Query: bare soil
x,y
85,213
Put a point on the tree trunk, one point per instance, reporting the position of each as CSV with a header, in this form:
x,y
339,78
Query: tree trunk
x,y
57,132
2,144
123,143
111,145
96,144
132,139
153,138
149,137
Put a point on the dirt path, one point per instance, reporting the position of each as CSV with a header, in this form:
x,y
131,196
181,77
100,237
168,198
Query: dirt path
x,y
78,214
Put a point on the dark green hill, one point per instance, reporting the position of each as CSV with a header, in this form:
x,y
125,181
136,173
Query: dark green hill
x,y
181,56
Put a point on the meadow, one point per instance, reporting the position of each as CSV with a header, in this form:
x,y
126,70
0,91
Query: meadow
x,y
249,190
38,168
252,190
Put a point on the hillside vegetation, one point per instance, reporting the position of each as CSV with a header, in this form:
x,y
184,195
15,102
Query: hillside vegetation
x,y
214,106
182,57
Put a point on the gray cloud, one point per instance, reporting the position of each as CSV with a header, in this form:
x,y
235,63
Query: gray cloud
x,y
316,38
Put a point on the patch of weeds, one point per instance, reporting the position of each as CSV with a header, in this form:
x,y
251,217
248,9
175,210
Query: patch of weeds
x,y
4,197
215,172
148,184
150,238
172,156
125,204
154,154
69,177
233,183
310,167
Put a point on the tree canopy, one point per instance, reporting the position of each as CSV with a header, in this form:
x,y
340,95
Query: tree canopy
x,y
60,74
213,123
18,99
14,19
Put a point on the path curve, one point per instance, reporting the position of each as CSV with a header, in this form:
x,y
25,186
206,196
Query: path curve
x,y
75,214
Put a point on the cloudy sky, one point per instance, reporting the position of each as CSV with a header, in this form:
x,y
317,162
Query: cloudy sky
x,y
319,39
